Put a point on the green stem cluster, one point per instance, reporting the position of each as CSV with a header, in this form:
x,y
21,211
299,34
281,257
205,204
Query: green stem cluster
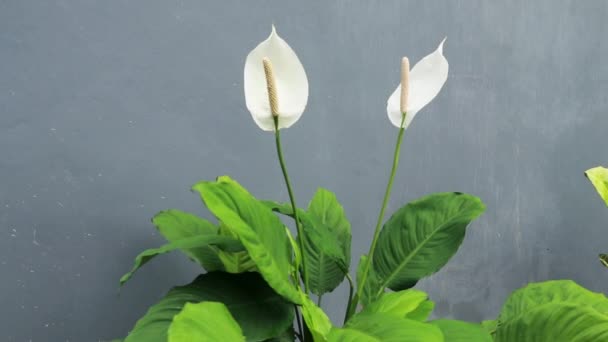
x,y
352,300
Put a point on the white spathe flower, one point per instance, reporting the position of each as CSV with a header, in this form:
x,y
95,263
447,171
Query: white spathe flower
x,y
290,82
425,81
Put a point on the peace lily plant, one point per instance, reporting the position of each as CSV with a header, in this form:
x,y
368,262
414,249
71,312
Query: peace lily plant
x,y
261,282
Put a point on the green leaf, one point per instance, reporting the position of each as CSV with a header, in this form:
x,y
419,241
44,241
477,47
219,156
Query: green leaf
x,y
410,304
323,255
259,311
419,239
260,231
459,331
383,327
327,242
599,178
398,304
177,225
555,322
551,311
285,209
422,312
184,244
234,262
237,262
325,208
550,292
204,322
316,320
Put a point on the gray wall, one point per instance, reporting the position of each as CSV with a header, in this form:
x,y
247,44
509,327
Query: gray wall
x,y
110,110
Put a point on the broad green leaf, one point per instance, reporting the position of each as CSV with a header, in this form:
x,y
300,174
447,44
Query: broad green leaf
x,y
260,231
459,331
316,320
410,304
204,322
599,178
177,225
372,289
385,328
422,312
327,253
419,239
237,262
285,209
184,244
260,312
550,292
327,239
323,255
234,262
397,304
555,322
558,310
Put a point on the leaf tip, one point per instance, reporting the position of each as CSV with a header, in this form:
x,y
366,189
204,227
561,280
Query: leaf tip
x,y
123,280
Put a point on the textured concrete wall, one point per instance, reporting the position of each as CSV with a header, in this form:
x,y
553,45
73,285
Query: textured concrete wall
x,y
110,110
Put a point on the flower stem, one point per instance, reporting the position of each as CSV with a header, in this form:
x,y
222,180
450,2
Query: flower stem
x,y
348,312
292,199
387,194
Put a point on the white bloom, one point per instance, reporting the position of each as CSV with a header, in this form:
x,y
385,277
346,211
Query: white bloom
x,y
290,82
425,81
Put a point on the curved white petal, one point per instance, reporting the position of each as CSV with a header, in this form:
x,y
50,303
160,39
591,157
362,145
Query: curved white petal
x,y
426,79
290,80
